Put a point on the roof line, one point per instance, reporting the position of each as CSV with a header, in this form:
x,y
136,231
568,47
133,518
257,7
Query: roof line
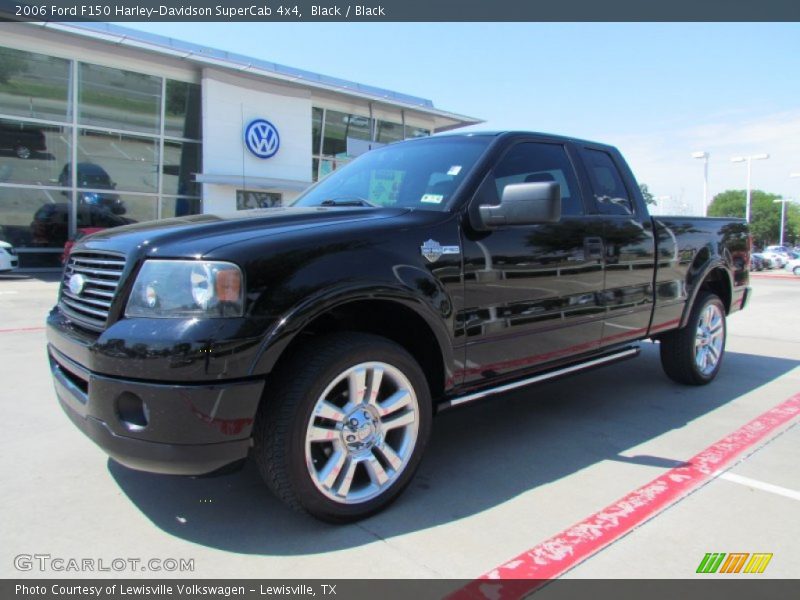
x,y
133,38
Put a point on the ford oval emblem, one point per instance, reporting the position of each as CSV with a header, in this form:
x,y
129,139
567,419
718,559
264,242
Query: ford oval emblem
x,y
76,283
262,139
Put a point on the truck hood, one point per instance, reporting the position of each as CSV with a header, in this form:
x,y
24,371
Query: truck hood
x,y
196,235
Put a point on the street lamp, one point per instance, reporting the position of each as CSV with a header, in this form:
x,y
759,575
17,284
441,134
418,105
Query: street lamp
x,y
783,208
704,156
783,202
749,160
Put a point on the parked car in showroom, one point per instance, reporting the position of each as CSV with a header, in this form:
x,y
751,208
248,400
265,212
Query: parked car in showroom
x,y
79,235
92,176
8,257
22,139
50,223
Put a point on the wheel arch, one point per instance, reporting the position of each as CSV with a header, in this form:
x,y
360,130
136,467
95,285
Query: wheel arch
x,y
404,320
715,278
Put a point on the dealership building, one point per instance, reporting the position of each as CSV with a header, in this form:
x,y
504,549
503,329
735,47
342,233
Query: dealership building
x,y
102,125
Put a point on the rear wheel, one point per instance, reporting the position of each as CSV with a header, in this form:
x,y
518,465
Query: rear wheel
x,y
344,428
693,355
796,271
22,151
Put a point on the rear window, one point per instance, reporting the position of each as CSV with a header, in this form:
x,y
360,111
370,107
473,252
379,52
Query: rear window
x,y
609,189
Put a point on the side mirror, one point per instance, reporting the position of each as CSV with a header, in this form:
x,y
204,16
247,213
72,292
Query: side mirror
x,y
525,204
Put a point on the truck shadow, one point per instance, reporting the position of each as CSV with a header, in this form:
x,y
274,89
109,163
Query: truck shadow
x,y
478,458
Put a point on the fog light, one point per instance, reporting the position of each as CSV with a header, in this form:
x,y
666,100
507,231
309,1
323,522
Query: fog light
x,y
132,411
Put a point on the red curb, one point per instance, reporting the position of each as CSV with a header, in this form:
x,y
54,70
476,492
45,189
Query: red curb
x,y
20,329
533,568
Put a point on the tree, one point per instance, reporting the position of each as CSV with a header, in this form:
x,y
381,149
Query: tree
x,y
647,194
765,215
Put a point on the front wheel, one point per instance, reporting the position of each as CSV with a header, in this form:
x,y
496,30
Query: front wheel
x,y
693,355
345,426
22,151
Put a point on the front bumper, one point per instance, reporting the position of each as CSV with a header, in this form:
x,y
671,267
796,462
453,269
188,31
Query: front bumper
x,y
161,428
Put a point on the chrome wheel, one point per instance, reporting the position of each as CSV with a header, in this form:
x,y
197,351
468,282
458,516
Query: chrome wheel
x,y
22,152
362,432
709,339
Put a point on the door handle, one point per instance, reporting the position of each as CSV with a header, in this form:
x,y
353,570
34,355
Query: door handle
x,y
593,247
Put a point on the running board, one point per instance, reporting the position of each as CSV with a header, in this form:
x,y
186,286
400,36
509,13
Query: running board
x,y
595,362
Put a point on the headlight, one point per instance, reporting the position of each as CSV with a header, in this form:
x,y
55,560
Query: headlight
x,y
187,288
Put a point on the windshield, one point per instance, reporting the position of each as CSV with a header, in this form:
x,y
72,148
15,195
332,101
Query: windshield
x,y
415,174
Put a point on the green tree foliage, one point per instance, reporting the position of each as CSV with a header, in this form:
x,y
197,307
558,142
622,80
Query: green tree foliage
x,y
765,215
647,194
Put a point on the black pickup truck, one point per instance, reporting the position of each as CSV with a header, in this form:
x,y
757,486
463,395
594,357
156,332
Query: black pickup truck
x,y
320,338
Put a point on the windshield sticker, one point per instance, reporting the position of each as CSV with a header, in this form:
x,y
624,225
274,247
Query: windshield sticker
x,y
454,170
384,186
432,198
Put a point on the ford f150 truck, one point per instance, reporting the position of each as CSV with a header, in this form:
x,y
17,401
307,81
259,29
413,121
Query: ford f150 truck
x,y
321,338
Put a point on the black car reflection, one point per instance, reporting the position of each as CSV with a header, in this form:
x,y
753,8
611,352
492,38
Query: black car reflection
x,y
50,226
94,177
24,140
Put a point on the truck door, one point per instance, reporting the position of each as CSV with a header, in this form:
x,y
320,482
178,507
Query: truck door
x,y
629,246
531,292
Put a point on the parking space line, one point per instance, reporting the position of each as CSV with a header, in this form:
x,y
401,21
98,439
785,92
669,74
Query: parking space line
x,y
555,556
20,329
761,485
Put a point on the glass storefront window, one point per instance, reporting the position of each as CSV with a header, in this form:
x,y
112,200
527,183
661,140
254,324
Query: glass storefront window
x,y
127,208
415,132
181,163
182,114
116,161
179,207
339,127
33,153
249,199
116,175
389,132
119,99
34,218
34,85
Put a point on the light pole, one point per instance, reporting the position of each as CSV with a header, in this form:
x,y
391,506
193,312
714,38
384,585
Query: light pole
x,y
783,209
782,202
749,160
704,156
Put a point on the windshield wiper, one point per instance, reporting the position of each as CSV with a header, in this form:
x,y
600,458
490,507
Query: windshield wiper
x,y
347,201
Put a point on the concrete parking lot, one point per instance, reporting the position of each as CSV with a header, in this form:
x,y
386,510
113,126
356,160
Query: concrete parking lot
x,y
499,477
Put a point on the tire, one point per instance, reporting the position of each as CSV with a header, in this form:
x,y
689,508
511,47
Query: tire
x,y
342,460
796,271
693,355
22,151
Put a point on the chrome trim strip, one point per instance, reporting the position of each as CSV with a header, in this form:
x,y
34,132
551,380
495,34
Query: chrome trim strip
x,y
536,378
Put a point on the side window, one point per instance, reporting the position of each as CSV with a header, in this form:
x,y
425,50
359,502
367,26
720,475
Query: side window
x,y
532,162
609,190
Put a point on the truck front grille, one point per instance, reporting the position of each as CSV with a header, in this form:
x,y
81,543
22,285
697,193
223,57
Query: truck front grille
x,y
89,300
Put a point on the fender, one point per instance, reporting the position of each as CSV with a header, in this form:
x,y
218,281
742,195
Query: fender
x,y
715,262
291,323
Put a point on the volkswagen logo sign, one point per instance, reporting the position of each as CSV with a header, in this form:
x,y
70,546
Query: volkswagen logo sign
x,y
261,138
76,283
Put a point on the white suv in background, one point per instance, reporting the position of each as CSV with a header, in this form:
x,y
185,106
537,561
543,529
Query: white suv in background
x,y
8,257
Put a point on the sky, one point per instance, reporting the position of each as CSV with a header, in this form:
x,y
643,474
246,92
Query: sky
x,y
659,92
